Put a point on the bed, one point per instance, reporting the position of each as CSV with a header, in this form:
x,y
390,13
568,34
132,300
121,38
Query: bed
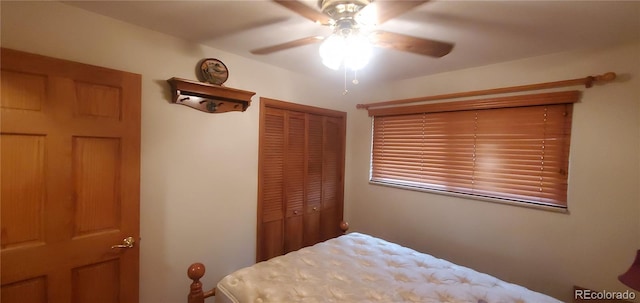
x,y
359,268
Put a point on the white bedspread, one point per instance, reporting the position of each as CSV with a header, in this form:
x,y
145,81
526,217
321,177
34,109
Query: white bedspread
x,y
360,268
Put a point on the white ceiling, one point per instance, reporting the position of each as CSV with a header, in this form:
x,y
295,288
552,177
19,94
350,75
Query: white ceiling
x,y
484,32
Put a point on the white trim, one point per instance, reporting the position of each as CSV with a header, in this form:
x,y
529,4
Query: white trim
x,y
533,205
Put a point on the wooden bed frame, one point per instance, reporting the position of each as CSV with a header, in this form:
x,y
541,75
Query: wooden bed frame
x,y
196,272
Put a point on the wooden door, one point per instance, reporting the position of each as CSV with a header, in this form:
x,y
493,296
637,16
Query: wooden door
x,y
294,173
70,155
313,180
270,238
332,177
300,179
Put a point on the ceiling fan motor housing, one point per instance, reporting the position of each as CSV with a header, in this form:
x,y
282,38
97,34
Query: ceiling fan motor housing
x,y
357,19
342,9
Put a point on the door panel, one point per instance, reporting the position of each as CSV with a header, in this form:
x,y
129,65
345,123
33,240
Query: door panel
x,y
23,90
70,156
314,179
98,282
294,172
96,163
271,243
330,223
312,227
271,207
31,290
332,163
98,101
333,172
293,233
23,192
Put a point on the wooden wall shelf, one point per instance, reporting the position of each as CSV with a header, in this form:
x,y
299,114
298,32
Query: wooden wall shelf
x,y
209,98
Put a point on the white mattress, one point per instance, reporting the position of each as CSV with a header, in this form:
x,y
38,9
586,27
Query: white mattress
x,y
360,268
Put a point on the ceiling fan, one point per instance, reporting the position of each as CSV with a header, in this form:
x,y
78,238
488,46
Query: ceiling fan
x,y
357,18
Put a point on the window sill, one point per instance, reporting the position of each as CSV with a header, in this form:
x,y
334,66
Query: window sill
x,y
480,198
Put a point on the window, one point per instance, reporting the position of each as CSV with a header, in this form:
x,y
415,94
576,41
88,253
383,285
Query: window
x,y
509,148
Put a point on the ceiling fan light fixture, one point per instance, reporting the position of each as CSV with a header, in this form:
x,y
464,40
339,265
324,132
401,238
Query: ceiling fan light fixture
x,y
350,49
331,51
358,52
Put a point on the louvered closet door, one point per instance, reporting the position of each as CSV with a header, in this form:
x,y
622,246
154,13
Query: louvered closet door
x,y
300,178
314,179
284,177
271,190
332,183
294,176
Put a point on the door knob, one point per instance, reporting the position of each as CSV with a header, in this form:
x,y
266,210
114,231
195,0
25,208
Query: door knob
x,y
126,243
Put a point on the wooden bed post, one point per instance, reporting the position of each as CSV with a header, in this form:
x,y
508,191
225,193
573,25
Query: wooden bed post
x,y
196,295
344,226
195,272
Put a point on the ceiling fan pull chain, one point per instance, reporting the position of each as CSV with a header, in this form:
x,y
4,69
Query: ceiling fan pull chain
x,y
355,77
345,81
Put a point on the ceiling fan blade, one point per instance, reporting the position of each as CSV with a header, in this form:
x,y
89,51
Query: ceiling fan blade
x,y
287,45
304,11
411,44
384,10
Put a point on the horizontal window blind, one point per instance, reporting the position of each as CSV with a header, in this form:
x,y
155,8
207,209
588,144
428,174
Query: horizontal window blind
x,y
511,152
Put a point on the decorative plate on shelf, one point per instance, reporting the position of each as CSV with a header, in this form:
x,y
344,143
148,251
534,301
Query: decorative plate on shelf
x,y
213,71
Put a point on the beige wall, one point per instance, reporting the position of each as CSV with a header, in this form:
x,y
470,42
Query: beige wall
x,y
547,251
199,171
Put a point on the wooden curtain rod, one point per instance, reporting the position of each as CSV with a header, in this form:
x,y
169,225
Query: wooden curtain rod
x,y
587,82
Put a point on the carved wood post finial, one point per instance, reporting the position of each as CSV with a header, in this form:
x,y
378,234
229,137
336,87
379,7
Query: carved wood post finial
x,y
344,226
195,272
